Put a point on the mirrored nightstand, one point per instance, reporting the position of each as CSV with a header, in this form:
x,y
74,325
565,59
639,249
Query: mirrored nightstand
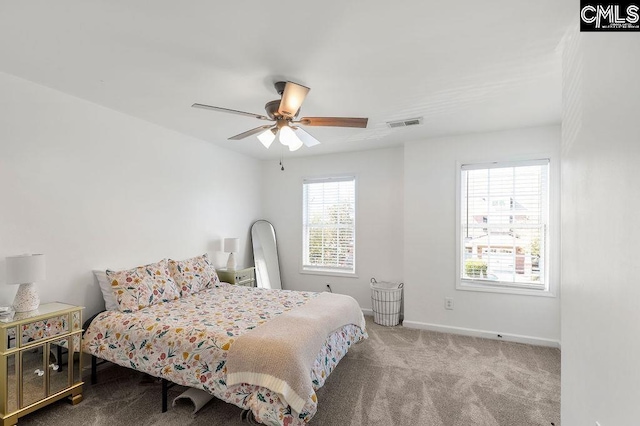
x,y
240,276
32,373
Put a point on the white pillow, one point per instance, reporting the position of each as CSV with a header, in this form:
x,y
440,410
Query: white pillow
x,y
110,302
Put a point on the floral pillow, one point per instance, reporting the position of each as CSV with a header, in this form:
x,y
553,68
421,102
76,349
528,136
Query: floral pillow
x,y
193,275
143,286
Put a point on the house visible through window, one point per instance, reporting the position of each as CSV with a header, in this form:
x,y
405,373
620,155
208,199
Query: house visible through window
x,y
329,225
504,213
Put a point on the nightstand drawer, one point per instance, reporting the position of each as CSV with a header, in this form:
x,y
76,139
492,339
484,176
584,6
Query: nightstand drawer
x,y
244,276
50,327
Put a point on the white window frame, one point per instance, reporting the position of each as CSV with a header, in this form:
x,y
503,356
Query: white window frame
x,y
550,247
315,270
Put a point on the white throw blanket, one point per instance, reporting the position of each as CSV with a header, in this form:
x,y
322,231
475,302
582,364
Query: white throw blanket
x,y
279,354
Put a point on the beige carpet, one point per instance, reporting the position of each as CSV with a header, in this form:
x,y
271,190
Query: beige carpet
x,y
397,377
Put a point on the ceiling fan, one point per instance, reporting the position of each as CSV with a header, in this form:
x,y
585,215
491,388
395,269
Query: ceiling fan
x,y
283,113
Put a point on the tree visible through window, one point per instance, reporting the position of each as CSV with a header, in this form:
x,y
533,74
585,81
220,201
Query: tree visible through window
x,y
504,211
329,224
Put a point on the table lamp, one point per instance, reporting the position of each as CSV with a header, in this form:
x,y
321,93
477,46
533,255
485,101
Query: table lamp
x,y
25,270
231,246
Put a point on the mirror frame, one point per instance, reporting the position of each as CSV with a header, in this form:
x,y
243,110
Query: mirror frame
x,y
255,259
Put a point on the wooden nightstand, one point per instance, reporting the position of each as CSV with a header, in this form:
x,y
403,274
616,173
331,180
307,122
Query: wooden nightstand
x,y
240,276
31,375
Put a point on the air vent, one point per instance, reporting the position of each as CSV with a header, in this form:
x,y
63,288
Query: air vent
x,y
405,123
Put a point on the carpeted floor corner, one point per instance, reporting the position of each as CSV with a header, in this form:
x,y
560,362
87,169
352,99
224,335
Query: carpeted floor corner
x,y
398,376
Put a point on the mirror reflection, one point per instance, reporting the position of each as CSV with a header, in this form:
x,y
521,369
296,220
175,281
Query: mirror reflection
x,y
12,384
33,375
11,337
76,360
58,376
265,255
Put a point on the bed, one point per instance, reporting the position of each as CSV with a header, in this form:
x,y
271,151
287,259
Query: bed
x,y
190,340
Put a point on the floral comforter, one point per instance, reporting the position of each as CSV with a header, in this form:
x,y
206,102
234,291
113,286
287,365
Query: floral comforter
x,y
187,340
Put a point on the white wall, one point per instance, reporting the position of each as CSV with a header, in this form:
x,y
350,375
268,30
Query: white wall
x,y
600,232
430,239
94,188
379,192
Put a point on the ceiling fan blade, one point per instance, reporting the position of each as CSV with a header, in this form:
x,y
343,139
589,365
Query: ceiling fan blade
x,y
305,137
334,121
250,132
292,98
232,111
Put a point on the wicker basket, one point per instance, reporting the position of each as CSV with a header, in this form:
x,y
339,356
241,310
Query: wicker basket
x,y
386,300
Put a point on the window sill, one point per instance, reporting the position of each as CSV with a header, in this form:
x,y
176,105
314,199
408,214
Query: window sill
x,y
481,286
329,273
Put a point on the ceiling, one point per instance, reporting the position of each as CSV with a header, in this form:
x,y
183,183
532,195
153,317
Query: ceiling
x,y
465,66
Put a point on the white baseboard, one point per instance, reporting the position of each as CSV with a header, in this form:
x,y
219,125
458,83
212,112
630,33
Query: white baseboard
x,y
368,312
482,333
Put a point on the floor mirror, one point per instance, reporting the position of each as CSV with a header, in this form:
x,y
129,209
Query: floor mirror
x,y
265,255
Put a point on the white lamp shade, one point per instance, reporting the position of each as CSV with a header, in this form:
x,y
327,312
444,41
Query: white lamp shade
x,y
295,145
28,268
289,138
266,138
231,245
292,98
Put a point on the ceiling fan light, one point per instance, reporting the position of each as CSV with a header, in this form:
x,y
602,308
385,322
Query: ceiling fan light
x,y
305,137
289,138
267,137
282,137
292,99
296,145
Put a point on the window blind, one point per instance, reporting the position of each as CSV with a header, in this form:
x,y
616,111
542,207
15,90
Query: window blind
x,y
329,224
504,215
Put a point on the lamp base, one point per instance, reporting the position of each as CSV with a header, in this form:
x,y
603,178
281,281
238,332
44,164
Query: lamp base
x,y
26,299
231,263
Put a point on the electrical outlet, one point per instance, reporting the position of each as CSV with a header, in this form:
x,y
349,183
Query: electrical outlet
x,y
448,303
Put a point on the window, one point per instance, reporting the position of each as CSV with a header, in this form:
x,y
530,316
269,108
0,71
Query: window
x,y
328,225
504,214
